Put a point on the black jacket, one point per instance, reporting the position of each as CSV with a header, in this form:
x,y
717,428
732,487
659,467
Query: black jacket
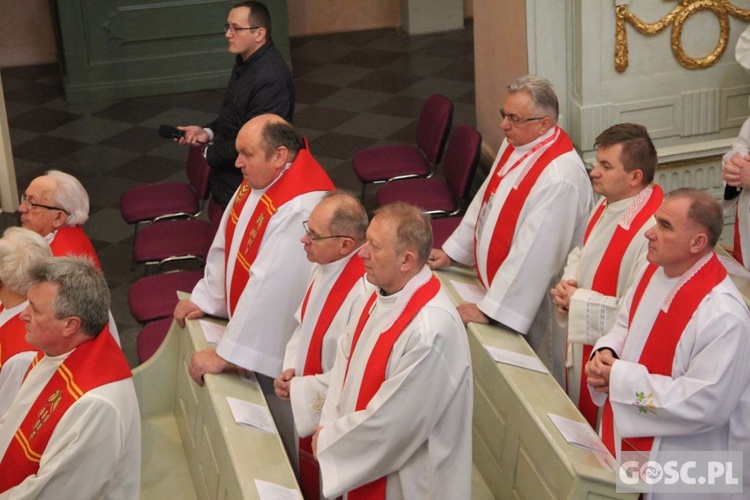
x,y
262,84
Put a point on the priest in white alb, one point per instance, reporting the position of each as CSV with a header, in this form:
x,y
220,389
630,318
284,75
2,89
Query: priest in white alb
x,y
256,271
336,290
599,272
672,373
396,422
527,216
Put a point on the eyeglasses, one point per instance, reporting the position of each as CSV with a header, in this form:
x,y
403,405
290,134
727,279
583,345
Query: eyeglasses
x,y
235,29
24,200
318,238
517,120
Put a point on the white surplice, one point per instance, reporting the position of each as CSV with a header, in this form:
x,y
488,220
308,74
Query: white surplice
x,y
741,204
263,320
95,450
698,407
416,430
551,223
592,314
308,393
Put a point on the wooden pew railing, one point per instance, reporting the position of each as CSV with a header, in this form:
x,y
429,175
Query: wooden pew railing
x,y
517,449
192,447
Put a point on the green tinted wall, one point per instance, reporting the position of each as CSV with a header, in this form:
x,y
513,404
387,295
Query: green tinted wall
x,y
113,49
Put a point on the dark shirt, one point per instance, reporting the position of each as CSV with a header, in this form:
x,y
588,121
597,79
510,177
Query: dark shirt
x,y
262,84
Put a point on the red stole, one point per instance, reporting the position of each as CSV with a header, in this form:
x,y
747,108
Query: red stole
x,y
13,338
352,272
659,350
304,176
507,220
374,374
606,277
71,241
92,364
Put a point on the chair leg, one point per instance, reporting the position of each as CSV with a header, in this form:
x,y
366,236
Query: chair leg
x,y
362,195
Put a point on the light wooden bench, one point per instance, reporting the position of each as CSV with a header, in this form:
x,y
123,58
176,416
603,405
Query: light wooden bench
x,y
192,448
517,449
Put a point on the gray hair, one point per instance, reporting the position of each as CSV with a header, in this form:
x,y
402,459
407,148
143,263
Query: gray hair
x,y
20,250
350,217
542,94
83,291
704,211
70,195
413,228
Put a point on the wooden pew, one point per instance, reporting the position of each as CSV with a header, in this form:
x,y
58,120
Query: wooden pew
x,y
192,448
517,449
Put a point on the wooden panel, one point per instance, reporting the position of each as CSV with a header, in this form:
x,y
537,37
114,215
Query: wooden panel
x,y
125,48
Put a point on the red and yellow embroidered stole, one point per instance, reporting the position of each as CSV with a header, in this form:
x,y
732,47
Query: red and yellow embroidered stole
x,y
374,374
659,350
505,226
304,176
72,241
606,278
13,338
92,364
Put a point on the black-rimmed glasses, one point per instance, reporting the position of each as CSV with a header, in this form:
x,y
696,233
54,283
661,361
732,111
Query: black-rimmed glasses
x,y
517,120
235,29
24,200
318,238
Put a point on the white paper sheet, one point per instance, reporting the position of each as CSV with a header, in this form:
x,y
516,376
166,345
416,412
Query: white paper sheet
x,y
516,359
468,292
212,331
250,414
578,433
272,491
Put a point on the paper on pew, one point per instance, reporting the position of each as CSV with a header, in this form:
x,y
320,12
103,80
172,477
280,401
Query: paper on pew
x,y
212,331
246,413
272,491
516,359
468,292
578,433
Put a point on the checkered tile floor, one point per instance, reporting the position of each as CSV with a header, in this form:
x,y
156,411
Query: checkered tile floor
x,y
354,90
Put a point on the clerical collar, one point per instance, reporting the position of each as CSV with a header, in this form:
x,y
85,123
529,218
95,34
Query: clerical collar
x,y
262,191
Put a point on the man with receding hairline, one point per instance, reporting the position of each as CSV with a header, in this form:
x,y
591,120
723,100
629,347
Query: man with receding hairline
x,y
673,370
336,290
255,268
396,422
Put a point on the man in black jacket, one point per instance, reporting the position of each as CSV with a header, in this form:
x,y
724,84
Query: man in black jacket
x,y
261,83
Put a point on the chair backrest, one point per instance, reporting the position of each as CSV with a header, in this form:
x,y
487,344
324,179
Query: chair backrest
x,y
433,127
198,171
461,160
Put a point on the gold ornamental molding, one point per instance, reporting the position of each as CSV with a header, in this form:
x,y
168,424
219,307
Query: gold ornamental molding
x,y
722,9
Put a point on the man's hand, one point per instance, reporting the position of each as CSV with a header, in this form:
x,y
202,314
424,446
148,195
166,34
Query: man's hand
x,y
194,136
315,441
186,309
598,370
736,171
438,258
470,313
203,362
562,294
283,384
